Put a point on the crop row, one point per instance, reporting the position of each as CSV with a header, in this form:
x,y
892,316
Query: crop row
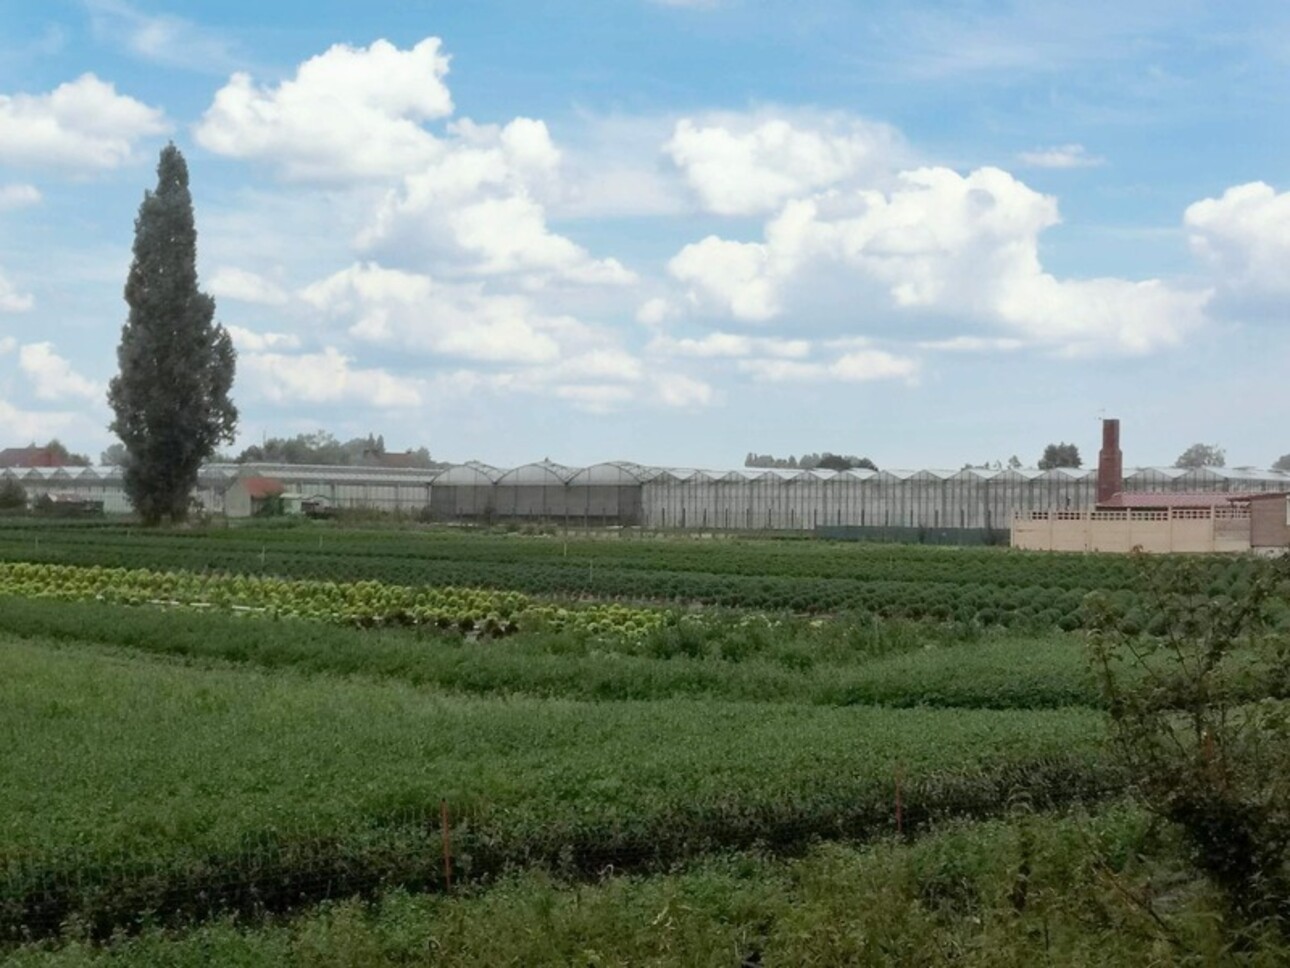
x,y
209,787
361,603
794,559
700,656
1040,606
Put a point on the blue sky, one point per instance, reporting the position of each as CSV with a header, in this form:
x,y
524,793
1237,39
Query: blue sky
x,y
674,232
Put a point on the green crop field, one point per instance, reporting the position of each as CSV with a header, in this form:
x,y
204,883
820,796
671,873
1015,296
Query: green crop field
x,y
305,745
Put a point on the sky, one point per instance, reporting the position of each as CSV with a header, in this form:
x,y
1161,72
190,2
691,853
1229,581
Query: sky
x,y
671,231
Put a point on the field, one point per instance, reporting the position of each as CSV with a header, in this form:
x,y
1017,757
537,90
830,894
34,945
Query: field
x,y
313,744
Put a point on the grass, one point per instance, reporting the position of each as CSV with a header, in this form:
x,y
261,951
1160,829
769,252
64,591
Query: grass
x,y
870,663
1026,891
134,784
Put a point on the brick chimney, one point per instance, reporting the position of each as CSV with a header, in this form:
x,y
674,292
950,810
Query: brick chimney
x,y
1110,463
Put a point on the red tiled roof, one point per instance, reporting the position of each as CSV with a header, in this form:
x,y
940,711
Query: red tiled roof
x,y
27,457
1149,500
261,487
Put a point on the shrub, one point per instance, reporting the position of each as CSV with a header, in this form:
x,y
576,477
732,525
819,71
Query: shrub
x,y
13,496
1207,754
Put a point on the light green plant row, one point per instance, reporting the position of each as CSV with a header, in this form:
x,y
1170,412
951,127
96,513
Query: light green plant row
x,y
1032,890
132,784
871,663
362,603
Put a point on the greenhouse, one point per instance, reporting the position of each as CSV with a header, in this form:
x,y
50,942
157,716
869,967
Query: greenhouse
x,y
968,504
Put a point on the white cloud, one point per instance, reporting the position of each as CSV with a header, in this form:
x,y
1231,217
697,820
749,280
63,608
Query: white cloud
x,y
609,363
161,38
412,311
595,397
972,344
18,196
248,341
25,425
1244,237
655,312
743,166
230,282
507,235
939,242
729,345
7,345
861,366
683,392
52,377
81,125
351,112
1060,156
733,275
470,199
328,377
11,300
476,207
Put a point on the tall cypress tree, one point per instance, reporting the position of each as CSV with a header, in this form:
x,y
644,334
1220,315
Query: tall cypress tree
x,y
171,396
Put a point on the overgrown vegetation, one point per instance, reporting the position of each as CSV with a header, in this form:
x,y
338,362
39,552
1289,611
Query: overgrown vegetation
x,y
1206,752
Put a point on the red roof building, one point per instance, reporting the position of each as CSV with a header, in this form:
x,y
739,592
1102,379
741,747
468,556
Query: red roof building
x,y
262,488
29,457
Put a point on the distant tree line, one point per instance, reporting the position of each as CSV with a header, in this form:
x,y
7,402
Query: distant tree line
x,y
322,448
827,461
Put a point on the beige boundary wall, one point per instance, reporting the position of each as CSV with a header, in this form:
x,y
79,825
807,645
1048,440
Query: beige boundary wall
x,y
1186,530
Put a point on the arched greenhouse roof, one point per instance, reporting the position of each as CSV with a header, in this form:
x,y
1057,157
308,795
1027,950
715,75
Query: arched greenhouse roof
x,y
614,472
537,474
472,473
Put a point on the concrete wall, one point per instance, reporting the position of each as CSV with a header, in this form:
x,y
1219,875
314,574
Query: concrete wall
x,y
1177,530
1270,522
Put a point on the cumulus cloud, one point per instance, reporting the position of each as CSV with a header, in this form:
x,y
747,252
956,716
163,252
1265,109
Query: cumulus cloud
x,y
52,377
735,276
972,344
7,345
683,392
82,125
1060,156
467,198
22,424
477,205
328,377
230,282
594,397
11,300
249,341
1244,237
351,112
729,345
860,366
744,166
18,196
414,312
655,312
944,243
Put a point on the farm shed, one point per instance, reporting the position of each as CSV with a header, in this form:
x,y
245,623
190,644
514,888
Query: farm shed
x,y
378,488
247,496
